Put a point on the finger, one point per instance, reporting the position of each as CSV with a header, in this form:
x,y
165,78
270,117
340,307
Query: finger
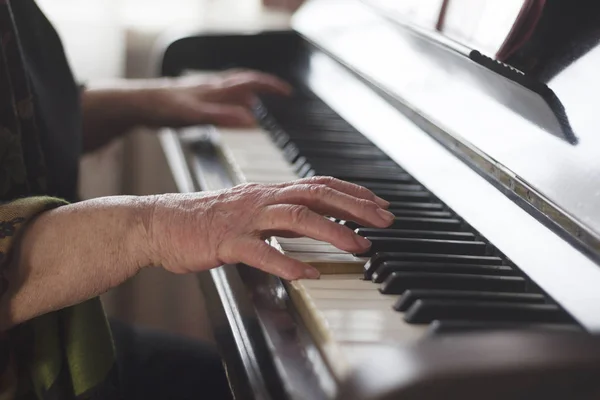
x,y
256,253
327,201
341,186
234,96
257,82
222,115
301,220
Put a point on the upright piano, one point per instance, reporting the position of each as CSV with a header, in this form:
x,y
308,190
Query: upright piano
x,y
487,144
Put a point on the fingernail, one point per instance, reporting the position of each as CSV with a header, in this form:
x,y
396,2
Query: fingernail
x,y
385,215
362,242
381,202
311,273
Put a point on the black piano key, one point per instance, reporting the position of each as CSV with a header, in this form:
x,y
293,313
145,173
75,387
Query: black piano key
x,y
344,154
376,186
332,137
375,166
389,267
404,195
322,117
427,311
391,176
445,327
319,146
402,205
332,140
409,297
382,244
319,142
419,224
399,282
423,224
361,175
305,124
378,259
420,213
347,141
402,233
337,168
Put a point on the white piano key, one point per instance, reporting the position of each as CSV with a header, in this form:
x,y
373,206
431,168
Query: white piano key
x,y
349,309
283,240
332,258
353,310
329,294
355,304
255,156
351,282
311,248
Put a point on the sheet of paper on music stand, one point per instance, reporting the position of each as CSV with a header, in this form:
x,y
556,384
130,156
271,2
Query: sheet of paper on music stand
x,y
424,13
481,24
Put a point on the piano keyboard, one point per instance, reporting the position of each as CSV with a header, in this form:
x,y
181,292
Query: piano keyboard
x,y
428,274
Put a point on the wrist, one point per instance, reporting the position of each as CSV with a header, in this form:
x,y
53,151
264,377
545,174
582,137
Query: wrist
x,y
142,242
131,103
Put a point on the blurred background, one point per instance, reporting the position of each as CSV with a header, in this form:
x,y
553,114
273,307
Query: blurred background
x,y
108,39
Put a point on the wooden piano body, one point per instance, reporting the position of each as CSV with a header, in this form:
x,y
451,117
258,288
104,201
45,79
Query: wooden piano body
x,y
514,159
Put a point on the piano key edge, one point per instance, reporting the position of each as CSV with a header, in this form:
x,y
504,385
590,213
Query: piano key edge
x,y
333,355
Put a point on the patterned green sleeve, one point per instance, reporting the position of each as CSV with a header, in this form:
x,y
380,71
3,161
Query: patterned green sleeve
x,y
67,354
14,216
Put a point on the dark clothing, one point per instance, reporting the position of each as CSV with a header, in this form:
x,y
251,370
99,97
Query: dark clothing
x,y
67,354
56,97
157,366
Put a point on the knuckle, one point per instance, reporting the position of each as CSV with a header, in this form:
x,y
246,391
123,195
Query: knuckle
x,y
322,180
251,191
316,190
364,191
363,204
243,78
298,214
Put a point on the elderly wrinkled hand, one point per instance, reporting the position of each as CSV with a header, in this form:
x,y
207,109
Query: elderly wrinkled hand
x,y
224,99
196,232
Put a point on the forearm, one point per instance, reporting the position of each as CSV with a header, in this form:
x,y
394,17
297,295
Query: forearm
x,y
74,253
112,108
107,114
